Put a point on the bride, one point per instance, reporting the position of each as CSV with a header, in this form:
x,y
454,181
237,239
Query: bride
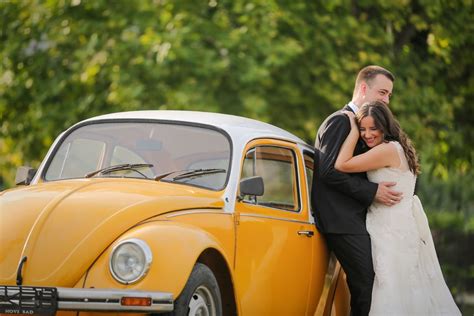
x,y
408,278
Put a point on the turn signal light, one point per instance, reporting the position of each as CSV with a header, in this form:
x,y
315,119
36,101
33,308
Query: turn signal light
x,y
135,301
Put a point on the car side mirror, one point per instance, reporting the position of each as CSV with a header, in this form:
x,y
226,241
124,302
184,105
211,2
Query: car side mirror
x,y
251,186
24,175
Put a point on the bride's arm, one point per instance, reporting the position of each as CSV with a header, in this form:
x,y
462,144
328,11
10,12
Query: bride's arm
x,y
347,149
383,155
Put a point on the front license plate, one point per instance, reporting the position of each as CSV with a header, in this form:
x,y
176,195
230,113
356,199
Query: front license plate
x,y
28,300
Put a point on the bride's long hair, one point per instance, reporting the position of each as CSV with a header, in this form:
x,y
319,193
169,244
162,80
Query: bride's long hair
x,y
386,122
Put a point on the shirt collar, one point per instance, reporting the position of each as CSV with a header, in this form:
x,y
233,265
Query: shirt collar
x,y
353,106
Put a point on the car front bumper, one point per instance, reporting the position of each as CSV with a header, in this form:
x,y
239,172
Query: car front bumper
x,y
47,300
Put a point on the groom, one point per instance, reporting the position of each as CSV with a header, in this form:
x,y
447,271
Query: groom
x,y
340,200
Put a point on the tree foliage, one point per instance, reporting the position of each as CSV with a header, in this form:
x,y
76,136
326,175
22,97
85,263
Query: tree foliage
x,y
290,63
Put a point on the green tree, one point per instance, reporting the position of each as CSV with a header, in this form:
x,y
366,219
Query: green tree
x,y
285,62
290,63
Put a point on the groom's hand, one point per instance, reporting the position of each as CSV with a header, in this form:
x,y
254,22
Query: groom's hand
x,y
386,195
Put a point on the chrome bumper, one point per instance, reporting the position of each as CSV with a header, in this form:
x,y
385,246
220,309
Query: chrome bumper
x,y
106,300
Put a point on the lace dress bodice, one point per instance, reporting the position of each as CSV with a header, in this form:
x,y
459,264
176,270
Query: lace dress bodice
x,y
402,175
408,279
395,221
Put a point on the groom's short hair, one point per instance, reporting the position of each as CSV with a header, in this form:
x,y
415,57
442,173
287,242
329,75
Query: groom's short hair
x,y
367,74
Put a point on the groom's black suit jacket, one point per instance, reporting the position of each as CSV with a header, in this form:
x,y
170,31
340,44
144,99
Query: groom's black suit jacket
x,y
339,200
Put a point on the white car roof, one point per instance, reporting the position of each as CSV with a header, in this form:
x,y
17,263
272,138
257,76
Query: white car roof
x,y
235,126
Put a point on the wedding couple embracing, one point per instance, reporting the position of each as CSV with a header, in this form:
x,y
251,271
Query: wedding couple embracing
x,y
364,204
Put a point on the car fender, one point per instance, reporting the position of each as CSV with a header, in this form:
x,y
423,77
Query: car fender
x,y
175,249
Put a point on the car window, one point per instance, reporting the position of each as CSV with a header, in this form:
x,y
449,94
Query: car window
x,y
309,167
277,167
77,157
122,155
171,148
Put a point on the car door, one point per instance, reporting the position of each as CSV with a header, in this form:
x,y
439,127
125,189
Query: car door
x,y
274,238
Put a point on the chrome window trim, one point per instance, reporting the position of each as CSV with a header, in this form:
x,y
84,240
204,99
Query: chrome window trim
x,y
46,163
294,152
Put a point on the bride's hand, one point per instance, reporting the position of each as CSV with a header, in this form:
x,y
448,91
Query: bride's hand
x,y
352,118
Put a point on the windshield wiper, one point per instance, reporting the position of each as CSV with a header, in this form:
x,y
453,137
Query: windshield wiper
x,y
125,166
198,172
190,173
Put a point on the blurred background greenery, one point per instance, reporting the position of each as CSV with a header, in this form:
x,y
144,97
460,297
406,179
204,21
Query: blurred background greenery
x,y
289,63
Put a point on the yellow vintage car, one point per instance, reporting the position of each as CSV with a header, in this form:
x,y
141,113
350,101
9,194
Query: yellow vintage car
x,y
175,212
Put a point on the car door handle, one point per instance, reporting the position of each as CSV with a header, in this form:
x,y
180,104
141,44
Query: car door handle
x,y
307,233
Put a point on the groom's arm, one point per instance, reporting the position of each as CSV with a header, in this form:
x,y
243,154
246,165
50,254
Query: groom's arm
x,y
330,142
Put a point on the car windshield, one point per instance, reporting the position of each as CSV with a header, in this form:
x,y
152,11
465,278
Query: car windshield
x,y
144,150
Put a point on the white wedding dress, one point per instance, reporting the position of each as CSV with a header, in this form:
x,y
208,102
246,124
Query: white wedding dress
x,y
408,278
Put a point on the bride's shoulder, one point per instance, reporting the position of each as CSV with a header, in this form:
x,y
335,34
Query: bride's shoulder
x,y
397,146
391,146
391,150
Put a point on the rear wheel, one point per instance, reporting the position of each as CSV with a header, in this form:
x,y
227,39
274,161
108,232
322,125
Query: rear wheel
x,y
201,295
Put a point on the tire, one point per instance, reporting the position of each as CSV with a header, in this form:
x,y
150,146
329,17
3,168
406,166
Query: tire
x,y
201,295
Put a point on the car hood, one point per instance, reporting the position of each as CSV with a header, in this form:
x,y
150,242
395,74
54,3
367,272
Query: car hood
x,y
63,226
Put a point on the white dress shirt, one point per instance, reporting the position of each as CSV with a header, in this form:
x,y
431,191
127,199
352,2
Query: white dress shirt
x,y
353,106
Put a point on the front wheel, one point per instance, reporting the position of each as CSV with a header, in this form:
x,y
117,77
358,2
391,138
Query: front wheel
x,y
201,295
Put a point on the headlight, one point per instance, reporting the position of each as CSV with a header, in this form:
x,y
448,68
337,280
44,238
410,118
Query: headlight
x,y
130,260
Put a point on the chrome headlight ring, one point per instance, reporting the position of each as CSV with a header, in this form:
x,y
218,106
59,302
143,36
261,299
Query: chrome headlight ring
x,y
130,260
